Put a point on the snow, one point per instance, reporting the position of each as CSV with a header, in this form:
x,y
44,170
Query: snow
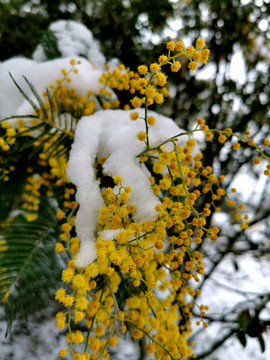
x,y
41,75
73,39
113,135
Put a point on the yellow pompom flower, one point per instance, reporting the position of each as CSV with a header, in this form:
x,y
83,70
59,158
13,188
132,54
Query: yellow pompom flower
x,y
62,353
141,136
77,337
142,69
150,348
60,214
159,98
190,50
117,179
236,146
67,275
171,45
150,91
222,138
137,334
112,341
66,227
192,65
200,43
78,316
162,58
134,115
151,120
99,330
161,79
176,66
59,247
136,102
179,46
154,67
67,300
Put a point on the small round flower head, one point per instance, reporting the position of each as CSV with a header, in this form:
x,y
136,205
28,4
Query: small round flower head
x,y
62,353
162,58
159,98
236,146
179,46
190,50
176,66
142,69
222,138
192,65
171,45
161,79
200,43
59,247
134,115
154,67
112,341
151,120
141,136
136,102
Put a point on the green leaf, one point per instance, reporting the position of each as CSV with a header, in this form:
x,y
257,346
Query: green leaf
x,y
242,338
30,270
49,44
262,343
31,102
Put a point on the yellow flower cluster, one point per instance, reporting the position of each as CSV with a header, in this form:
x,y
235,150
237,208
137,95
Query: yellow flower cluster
x,y
61,99
136,262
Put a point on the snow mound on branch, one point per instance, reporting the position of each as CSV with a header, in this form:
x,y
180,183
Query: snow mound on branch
x,y
73,39
41,75
113,135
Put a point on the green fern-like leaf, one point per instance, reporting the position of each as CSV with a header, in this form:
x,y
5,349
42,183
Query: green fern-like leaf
x,y
49,43
30,270
50,125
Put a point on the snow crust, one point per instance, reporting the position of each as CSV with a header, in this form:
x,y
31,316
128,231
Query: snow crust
x,y
113,135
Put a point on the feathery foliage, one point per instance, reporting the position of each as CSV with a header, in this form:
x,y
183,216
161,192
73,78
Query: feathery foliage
x,y
30,269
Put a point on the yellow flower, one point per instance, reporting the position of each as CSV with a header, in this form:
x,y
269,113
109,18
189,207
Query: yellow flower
x,y
179,46
176,66
200,43
62,353
99,330
142,69
66,227
154,67
134,115
77,337
141,136
162,58
112,341
136,102
190,50
161,79
59,247
151,120
137,334
170,45
192,65
67,275
159,98
60,214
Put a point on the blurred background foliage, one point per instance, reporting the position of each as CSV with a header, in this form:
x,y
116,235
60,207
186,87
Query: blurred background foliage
x,y
136,31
